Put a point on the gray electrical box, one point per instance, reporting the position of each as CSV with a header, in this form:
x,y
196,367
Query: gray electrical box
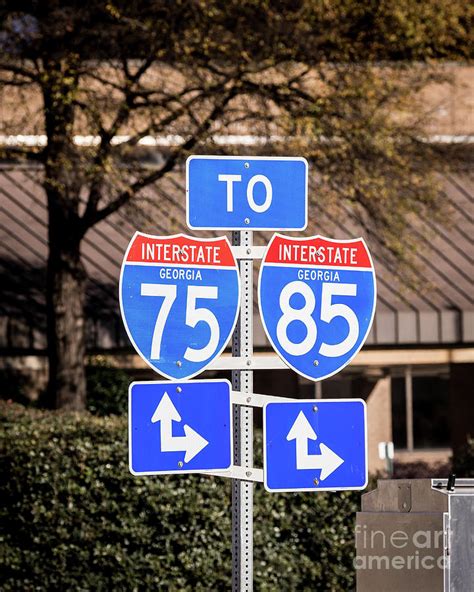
x,y
415,534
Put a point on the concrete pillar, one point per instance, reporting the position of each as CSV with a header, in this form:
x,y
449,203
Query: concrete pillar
x,y
379,421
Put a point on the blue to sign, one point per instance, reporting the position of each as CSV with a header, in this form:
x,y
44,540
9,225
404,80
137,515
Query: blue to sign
x,y
179,427
315,445
179,298
317,301
259,193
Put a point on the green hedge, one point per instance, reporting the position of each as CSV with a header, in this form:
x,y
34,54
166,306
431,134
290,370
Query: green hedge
x,y
73,518
463,462
107,388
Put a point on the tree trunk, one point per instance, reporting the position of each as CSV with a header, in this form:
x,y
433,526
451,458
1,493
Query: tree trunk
x,y
65,309
65,274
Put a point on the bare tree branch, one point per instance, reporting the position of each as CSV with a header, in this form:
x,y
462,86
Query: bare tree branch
x,y
16,68
138,185
32,155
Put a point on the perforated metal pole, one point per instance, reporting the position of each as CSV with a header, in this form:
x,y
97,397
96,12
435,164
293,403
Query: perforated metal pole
x,y
242,380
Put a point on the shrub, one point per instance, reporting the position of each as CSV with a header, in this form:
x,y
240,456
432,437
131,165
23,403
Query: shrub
x,y
107,389
421,470
73,518
14,385
463,462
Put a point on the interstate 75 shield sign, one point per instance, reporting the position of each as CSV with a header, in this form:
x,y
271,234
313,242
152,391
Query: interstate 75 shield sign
x,y
179,298
317,301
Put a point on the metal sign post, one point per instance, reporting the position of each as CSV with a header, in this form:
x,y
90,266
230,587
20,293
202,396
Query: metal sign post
x,y
180,300
242,380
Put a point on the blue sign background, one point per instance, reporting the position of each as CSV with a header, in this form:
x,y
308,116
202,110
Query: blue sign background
x,y
339,424
140,313
203,404
207,196
274,278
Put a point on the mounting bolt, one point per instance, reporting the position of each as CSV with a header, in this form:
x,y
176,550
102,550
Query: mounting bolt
x,y
179,363
249,399
249,251
246,165
315,407
316,363
247,220
248,474
316,481
178,389
249,362
180,463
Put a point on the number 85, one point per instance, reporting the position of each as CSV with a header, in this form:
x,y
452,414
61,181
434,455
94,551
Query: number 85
x,y
329,311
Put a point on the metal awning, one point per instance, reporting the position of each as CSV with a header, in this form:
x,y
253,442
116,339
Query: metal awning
x,y
439,312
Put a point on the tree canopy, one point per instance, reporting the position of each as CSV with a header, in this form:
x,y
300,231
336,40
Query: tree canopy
x,y
337,81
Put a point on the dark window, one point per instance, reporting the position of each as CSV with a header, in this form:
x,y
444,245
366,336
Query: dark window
x,y
430,412
399,426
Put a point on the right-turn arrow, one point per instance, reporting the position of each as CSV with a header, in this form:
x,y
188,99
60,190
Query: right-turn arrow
x,y
191,443
328,461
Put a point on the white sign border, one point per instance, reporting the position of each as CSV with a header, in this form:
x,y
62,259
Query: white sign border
x,y
124,320
181,383
267,333
316,488
244,226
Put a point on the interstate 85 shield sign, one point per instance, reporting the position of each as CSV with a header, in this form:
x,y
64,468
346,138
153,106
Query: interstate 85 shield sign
x,y
179,298
317,301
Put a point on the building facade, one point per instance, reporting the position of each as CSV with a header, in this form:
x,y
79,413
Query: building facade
x,y
416,371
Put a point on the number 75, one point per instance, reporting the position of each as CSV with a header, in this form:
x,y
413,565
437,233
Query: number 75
x,y
193,316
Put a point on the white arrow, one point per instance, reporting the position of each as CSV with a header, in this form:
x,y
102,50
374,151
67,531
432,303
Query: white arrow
x,y
191,443
328,461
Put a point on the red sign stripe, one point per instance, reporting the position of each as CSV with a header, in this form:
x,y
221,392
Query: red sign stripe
x,y
318,251
181,250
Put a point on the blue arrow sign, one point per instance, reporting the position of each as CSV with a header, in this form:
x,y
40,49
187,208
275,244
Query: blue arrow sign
x,y
179,298
179,427
315,445
258,193
317,301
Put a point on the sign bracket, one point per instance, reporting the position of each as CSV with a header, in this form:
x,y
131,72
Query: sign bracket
x,y
254,474
254,362
254,399
248,252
